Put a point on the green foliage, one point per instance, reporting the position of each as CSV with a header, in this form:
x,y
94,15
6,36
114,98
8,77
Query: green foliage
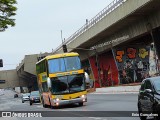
x,y
7,10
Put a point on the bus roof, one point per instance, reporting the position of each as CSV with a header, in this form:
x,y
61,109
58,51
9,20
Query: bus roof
x,y
59,56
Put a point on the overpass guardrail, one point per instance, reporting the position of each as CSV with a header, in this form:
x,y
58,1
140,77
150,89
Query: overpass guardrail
x,y
111,7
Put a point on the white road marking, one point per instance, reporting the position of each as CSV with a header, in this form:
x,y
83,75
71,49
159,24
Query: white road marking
x,y
97,118
115,93
3,98
4,107
40,106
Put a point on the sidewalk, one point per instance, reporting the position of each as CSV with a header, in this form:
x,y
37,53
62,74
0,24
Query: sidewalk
x,y
134,89
7,92
1,92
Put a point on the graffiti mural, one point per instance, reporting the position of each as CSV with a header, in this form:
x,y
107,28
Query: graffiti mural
x,y
132,63
106,72
153,61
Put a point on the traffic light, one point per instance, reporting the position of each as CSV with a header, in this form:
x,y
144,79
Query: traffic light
x,y
64,48
1,63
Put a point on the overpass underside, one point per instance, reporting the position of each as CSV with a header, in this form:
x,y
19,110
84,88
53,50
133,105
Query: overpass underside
x,y
26,71
120,45
27,80
120,48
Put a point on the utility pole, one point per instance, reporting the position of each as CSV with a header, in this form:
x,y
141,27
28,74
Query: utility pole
x,y
64,46
61,37
1,63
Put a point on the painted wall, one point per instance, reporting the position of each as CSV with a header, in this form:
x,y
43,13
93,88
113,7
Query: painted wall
x,y
130,64
108,72
133,63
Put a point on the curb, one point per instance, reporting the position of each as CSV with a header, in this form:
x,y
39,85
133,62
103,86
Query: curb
x,y
114,92
91,90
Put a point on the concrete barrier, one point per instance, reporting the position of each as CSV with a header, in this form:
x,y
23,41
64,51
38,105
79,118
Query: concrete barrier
x,y
118,89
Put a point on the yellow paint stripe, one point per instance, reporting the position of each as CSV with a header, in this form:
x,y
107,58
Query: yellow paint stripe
x,y
62,55
66,73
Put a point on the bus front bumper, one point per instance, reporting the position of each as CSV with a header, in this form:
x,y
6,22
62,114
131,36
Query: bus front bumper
x,y
58,102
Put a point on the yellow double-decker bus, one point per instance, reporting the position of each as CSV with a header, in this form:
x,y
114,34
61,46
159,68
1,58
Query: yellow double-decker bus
x,y
61,80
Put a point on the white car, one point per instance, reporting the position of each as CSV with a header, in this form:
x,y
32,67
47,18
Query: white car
x,y
25,97
1,92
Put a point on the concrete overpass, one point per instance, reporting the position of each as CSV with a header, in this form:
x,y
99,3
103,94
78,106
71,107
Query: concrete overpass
x,y
26,70
24,75
130,18
121,23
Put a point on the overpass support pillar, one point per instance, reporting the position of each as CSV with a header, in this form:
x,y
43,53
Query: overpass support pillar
x,y
156,39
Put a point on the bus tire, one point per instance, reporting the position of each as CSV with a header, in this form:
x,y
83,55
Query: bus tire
x,y
44,105
80,104
50,103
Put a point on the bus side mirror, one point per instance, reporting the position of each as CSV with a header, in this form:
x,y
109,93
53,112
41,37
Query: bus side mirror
x,y
86,77
148,91
49,82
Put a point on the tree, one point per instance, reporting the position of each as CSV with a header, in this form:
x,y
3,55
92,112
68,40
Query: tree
x,y
7,10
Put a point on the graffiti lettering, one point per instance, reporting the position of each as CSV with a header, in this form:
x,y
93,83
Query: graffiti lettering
x,y
133,63
143,53
119,56
131,53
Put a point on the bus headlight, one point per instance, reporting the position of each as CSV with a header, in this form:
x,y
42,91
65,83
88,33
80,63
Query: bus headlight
x,y
57,99
83,96
57,103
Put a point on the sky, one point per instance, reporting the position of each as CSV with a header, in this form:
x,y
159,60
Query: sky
x,y
39,24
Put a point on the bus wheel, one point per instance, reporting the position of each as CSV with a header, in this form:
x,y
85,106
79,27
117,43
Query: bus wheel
x,y
81,104
44,105
52,107
50,104
30,103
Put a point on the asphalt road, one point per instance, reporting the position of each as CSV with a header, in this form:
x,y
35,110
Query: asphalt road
x,y
98,107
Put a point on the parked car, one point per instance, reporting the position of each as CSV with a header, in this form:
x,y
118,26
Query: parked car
x,y
25,97
34,97
149,98
15,95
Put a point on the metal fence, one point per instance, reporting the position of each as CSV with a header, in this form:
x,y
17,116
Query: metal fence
x,y
112,6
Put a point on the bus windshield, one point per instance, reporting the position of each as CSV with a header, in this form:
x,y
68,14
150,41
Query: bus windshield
x,y
72,63
76,83
64,64
56,65
67,84
59,85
